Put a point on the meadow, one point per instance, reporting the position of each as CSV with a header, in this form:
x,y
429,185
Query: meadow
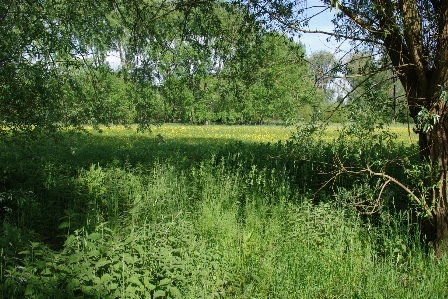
x,y
207,212
223,133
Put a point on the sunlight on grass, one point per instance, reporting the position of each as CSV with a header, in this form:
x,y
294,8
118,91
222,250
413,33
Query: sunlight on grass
x,y
220,133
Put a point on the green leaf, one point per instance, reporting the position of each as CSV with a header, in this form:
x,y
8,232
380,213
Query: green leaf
x,y
46,271
130,290
117,266
164,281
29,290
94,253
87,290
95,280
139,249
101,263
148,284
94,236
106,278
35,244
64,225
73,258
128,258
69,240
106,250
90,245
159,293
136,281
175,292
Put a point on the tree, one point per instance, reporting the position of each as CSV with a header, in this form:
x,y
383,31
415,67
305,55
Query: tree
x,y
43,44
270,78
53,69
326,69
324,66
374,89
413,34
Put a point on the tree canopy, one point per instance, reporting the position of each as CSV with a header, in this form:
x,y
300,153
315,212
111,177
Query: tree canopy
x,y
179,61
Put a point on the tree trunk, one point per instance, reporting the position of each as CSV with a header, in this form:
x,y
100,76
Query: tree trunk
x,y
434,146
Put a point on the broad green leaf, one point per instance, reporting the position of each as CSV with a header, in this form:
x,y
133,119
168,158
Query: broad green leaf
x,y
96,280
159,293
64,225
87,290
128,258
74,258
164,281
175,292
148,284
69,240
135,280
139,249
46,271
102,262
130,290
129,239
94,253
106,278
29,290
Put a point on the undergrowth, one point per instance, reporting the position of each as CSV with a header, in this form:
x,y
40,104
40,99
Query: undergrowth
x,y
90,217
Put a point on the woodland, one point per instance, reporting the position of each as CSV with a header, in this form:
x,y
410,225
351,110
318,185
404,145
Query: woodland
x,y
139,179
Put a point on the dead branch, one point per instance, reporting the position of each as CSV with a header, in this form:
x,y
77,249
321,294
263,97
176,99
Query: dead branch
x,y
342,169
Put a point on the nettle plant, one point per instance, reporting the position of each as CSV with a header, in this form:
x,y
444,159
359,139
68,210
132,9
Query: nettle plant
x,y
100,264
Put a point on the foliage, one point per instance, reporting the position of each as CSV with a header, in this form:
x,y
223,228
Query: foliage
x,y
137,217
374,90
43,43
325,68
272,80
179,62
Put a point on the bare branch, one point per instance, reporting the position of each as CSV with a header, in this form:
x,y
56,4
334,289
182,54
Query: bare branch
x,y
297,28
359,21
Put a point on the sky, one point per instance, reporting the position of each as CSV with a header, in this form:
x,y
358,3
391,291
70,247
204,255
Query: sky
x,y
113,59
316,42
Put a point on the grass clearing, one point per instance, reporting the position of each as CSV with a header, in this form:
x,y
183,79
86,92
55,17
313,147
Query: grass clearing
x,y
205,212
223,133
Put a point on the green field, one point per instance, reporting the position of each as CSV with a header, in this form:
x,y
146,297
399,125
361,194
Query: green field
x,y
204,212
220,133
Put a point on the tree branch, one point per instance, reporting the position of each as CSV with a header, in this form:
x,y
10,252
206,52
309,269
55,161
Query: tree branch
x,y
359,21
343,170
296,28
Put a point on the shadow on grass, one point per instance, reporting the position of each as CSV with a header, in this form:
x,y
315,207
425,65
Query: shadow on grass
x,y
51,187
39,187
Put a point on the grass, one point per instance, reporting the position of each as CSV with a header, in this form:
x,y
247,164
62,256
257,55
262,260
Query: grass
x,y
203,212
226,133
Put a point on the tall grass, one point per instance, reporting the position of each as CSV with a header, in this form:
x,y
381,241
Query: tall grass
x,y
151,219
